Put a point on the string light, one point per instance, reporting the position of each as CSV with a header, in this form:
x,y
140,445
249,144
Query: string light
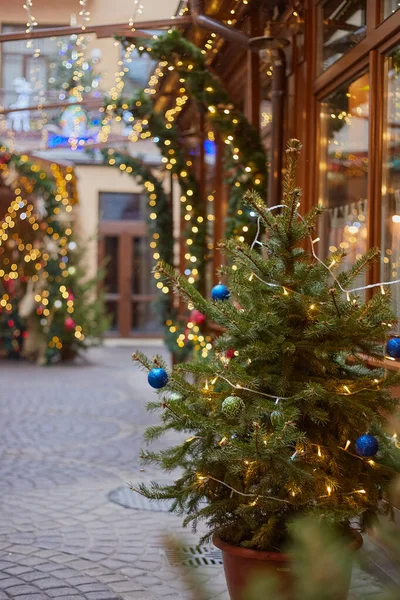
x,y
31,21
344,290
84,14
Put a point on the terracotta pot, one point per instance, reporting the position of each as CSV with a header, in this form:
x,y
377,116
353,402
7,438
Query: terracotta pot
x,y
242,565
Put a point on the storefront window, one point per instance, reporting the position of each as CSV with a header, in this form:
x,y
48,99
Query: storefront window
x,y
344,171
342,26
391,177
389,7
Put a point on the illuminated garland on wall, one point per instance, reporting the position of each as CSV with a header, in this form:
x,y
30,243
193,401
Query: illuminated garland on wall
x,y
245,158
162,239
39,260
149,122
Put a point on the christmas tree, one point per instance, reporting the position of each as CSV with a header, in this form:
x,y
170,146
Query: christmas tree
x,y
49,307
286,418
72,71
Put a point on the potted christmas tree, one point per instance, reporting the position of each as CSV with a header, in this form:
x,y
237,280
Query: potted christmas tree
x,y
293,423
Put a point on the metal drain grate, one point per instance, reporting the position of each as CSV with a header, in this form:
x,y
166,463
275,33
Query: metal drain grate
x,y
195,556
125,497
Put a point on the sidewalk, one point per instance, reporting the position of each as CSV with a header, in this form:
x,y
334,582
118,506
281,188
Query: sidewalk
x,y
70,441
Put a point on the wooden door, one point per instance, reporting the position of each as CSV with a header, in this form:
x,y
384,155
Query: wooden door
x,y
129,284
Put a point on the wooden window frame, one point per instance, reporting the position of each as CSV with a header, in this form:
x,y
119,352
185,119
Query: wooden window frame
x,y
369,55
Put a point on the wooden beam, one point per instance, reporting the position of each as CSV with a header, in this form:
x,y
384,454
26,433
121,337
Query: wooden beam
x,y
101,31
253,87
220,205
91,104
201,177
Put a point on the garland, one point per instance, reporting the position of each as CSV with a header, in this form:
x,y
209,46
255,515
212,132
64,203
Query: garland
x,y
40,264
245,158
162,240
167,138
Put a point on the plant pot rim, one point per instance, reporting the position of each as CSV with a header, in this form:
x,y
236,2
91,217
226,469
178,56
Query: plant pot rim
x,y
248,552
355,544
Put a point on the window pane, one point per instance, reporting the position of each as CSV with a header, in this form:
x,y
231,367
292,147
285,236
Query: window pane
x,y
143,281
344,171
145,318
342,25
111,276
391,177
389,7
112,313
122,207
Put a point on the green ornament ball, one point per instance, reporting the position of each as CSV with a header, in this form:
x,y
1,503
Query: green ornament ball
x,y
276,418
232,406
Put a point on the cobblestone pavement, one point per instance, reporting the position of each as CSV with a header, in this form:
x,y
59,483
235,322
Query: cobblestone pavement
x,y
70,437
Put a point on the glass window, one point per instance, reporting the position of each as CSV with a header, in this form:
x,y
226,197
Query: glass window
x,y
391,176
389,7
122,207
142,264
111,281
344,170
112,313
342,25
145,318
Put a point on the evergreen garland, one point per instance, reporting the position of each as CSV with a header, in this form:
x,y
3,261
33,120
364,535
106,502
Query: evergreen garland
x,y
167,139
41,263
161,232
245,158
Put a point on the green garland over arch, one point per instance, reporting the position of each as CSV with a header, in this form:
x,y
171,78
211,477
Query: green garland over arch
x,y
168,139
245,157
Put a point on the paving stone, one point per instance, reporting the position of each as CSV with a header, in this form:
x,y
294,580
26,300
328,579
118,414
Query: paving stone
x,y
33,597
9,582
59,592
33,576
18,570
48,583
101,596
18,590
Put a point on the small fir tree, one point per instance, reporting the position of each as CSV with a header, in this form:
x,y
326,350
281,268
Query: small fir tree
x,y
294,423
78,316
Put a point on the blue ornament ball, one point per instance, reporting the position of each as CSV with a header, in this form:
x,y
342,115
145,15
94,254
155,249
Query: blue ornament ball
x,y
367,445
220,292
158,378
393,348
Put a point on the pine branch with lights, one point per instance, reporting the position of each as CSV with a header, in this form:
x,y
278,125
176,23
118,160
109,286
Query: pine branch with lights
x,y
292,421
77,316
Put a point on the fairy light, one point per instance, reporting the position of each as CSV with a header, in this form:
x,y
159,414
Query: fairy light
x,y
84,14
137,10
31,21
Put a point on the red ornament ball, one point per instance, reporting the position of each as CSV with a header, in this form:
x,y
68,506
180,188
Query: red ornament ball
x,y
230,353
197,317
69,324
